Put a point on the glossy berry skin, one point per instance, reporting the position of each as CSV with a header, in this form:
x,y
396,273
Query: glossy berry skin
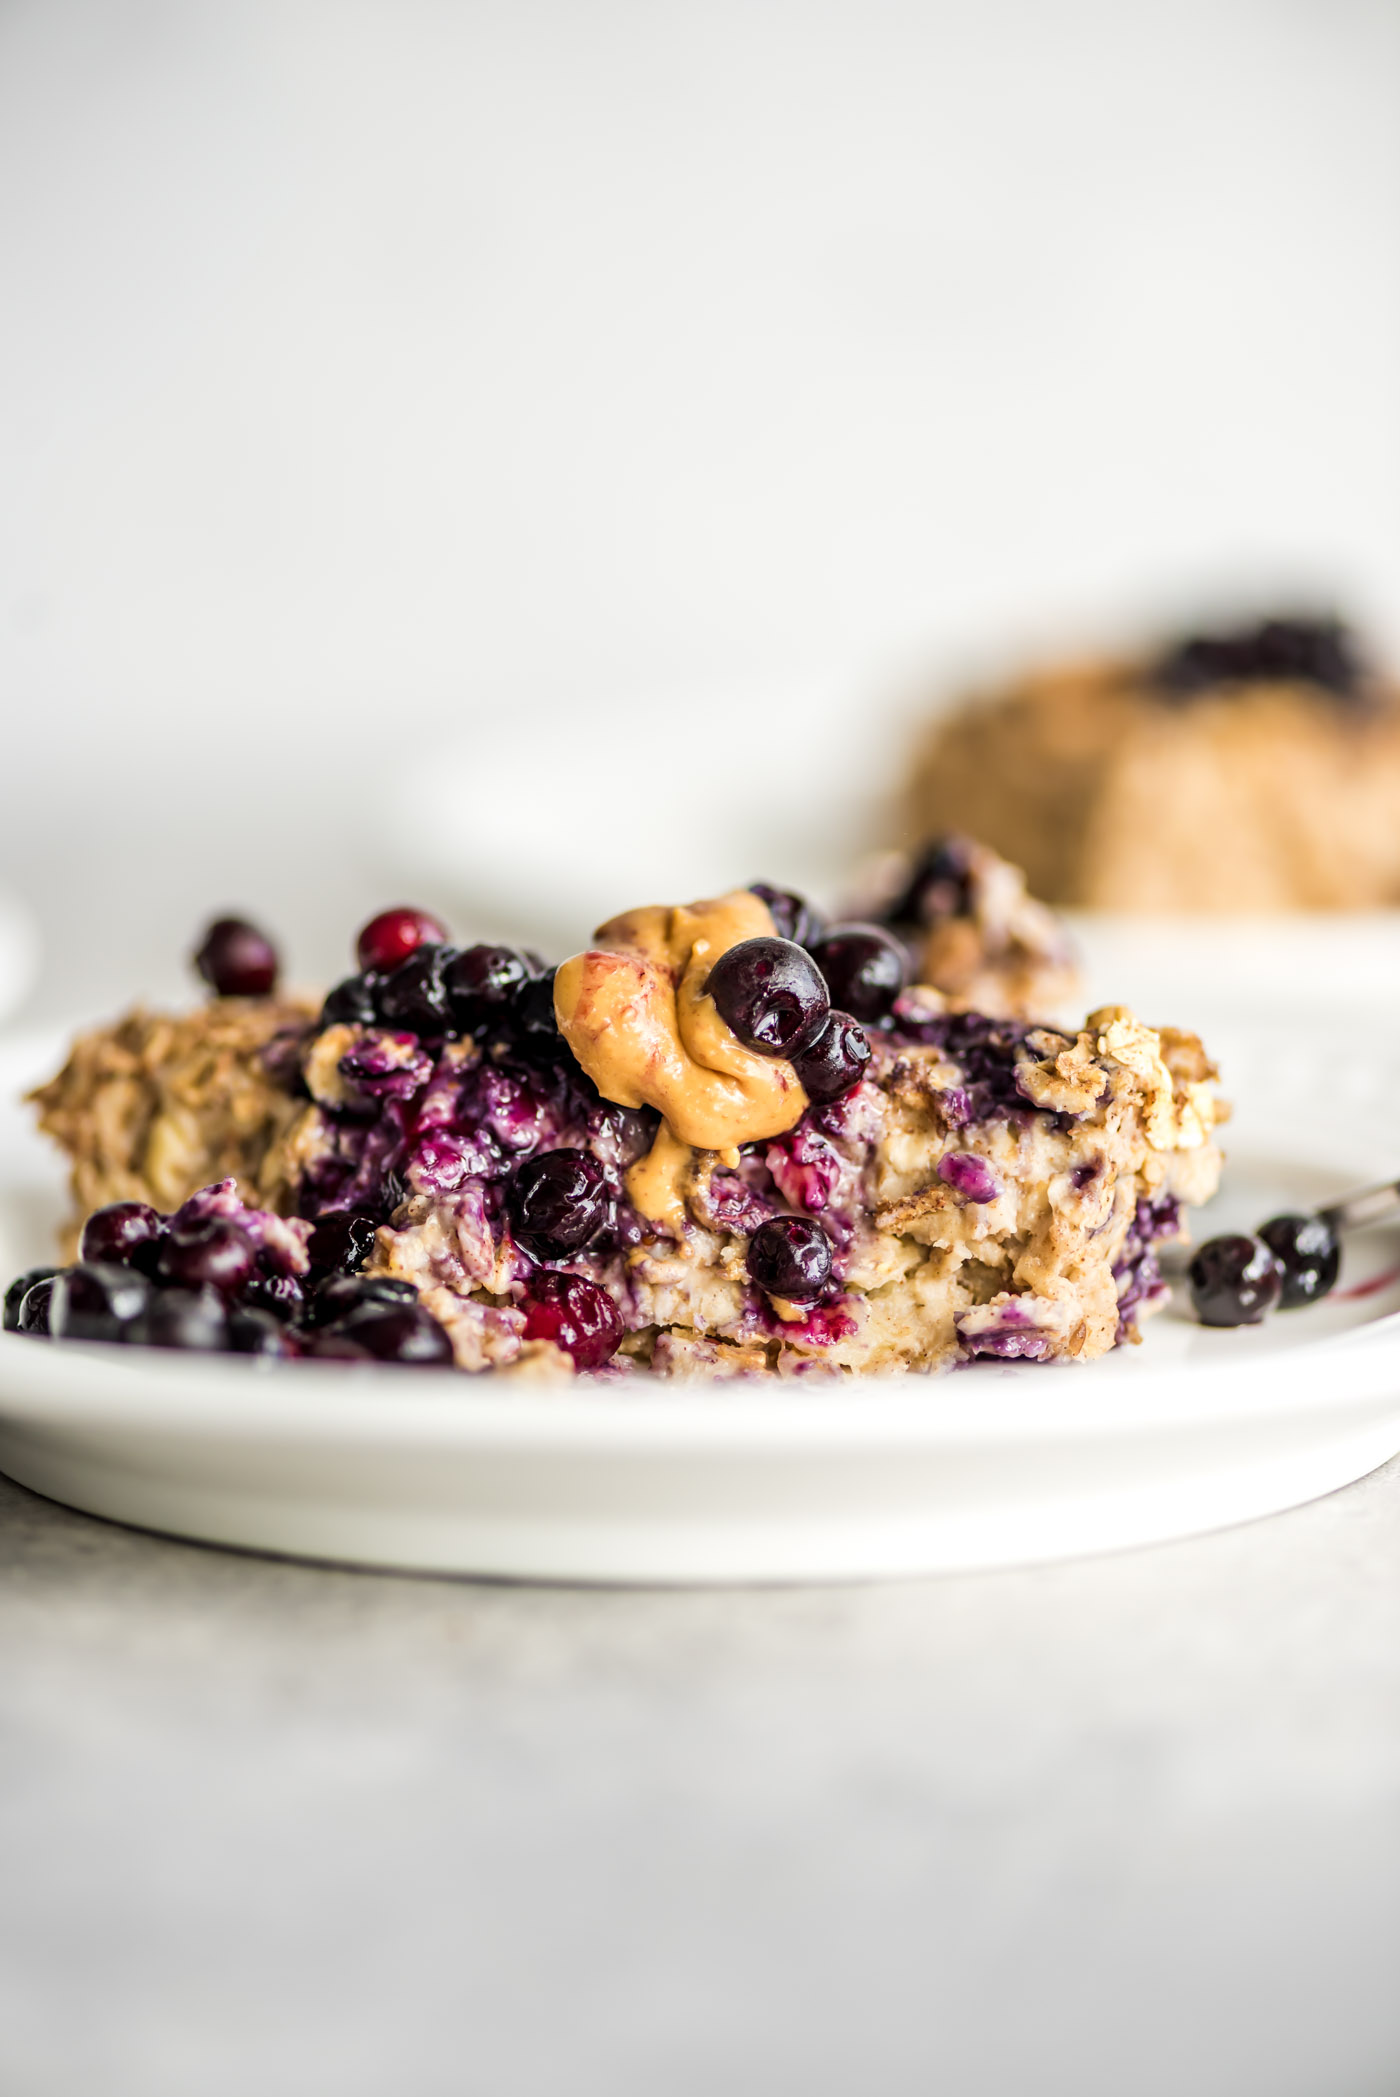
x,y
1234,1281
342,1241
258,1332
399,1332
532,1014
34,1308
395,934
793,916
352,1003
865,969
575,1314
414,995
342,1295
836,1060
19,1288
558,1203
236,960
1308,1251
191,1320
770,993
126,1233
214,1254
93,1302
790,1256
279,1296
482,982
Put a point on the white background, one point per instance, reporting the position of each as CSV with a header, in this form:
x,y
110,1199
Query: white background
x,y
381,379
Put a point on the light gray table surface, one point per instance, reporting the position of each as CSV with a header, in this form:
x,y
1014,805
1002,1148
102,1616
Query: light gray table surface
x,y
1130,1825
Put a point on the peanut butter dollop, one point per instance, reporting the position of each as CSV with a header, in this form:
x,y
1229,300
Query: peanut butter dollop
x,y
635,1012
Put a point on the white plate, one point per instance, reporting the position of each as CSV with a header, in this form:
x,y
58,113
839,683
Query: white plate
x,y
996,1465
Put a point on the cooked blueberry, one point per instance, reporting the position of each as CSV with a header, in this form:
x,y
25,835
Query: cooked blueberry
x,y
558,1203
793,916
576,1314
343,1294
770,993
352,1003
395,934
126,1234
414,996
333,1345
236,960
865,969
258,1332
342,1241
280,1296
836,1060
532,1012
790,1256
93,1302
35,1306
399,1332
192,1319
1234,1281
482,981
1308,1251
214,1254
939,884
19,1289
1309,651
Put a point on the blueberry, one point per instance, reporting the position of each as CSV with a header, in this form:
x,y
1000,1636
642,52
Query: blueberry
x,y
352,1003
414,995
236,960
558,1203
576,1314
125,1234
343,1294
214,1253
342,1240
1309,651
1308,1251
939,885
532,1013
193,1320
19,1289
96,1302
395,934
790,1256
35,1306
1234,1281
483,981
865,969
399,1332
793,916
258,1332
279,1296
770,993
836,1060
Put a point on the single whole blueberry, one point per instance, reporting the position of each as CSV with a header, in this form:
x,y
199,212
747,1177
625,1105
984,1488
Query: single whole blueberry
x,y
252,1331
865,969
279,1296
558,1203
793,916
343,1294
35,1306
770,993
414,995
342,1240
790,1256
939,884
483,981
96,1302
1234,1281
236,960
532,1013
126,1234
352,1002
399,1332
1310,1254
577,1315
194,1320
19,1288
395,934
836,1060
214,1253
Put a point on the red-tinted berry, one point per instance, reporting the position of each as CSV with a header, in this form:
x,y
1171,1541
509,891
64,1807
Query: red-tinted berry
x,y
1309,1254
558,1203
395,934
214,1254
836,1060
126,1233
770,993
575,1314
865,969
1234,1281
236,960
790,1256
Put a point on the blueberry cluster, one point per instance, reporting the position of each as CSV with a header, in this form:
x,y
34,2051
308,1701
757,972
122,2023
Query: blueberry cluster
x,y
206,1281
1288,1262
1321,652
410,978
